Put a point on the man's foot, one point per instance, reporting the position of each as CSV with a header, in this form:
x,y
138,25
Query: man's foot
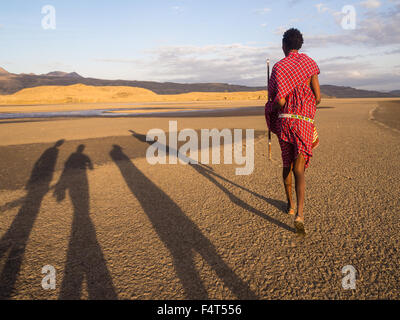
x,y
290,210
299,225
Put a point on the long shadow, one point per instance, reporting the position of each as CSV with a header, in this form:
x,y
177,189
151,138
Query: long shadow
x,y
208,173
85,258
15,239
181,235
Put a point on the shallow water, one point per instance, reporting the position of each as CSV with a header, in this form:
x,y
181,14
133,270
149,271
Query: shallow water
x,y
119,112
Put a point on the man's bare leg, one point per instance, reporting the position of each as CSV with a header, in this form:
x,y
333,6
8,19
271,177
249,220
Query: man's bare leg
x,y
287,182
298,170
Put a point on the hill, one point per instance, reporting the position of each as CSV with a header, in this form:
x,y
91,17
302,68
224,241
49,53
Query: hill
x,y
11,83
395,92
3,71
348,92
80,93
63,74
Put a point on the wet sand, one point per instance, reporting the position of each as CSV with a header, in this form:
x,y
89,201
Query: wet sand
x,y
114,226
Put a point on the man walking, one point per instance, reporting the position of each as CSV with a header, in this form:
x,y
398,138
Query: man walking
x,y
293,94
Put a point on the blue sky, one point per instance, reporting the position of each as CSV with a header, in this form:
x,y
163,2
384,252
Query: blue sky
x,y
201,40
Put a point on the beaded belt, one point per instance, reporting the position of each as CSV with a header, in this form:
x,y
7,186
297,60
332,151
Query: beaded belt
x,y
295,116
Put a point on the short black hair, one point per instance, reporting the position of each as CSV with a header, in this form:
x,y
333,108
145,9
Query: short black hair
x,y
293,39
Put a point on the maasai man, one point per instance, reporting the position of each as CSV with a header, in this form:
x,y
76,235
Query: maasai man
x,y
293,95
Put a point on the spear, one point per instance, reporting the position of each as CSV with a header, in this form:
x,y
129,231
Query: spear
x,y
269,131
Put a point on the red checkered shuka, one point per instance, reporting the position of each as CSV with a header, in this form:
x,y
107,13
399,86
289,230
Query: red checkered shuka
x,y
289,80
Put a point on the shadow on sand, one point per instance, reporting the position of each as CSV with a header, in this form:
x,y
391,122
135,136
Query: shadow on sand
x,y
180,235
15,239
85,260
210,175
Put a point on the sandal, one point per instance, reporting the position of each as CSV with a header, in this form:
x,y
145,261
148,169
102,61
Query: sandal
x,y
290,211
299,225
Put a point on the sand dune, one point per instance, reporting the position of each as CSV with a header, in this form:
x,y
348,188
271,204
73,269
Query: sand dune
x,y
80,93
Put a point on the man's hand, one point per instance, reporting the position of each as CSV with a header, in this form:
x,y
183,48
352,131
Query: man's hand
x,y
278,105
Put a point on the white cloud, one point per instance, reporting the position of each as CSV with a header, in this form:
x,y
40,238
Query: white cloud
x,y
239,63
262,11
355,74
341,58
362,75
177,9
321,7
393,51
376,29
244,64
371,4
234,63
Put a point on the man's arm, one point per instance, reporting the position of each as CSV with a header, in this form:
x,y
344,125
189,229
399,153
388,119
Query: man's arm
x,y
315,88
89,163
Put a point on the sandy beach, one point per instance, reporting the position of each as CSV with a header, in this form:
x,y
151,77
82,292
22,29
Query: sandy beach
x,y
130,230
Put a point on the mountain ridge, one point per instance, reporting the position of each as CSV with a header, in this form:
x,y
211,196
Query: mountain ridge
x,y
62,74
11,83
3,71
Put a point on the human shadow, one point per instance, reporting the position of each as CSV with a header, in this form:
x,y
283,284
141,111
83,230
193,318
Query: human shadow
x,y
142,138
210,175
15,239
207,172
85,258
179,233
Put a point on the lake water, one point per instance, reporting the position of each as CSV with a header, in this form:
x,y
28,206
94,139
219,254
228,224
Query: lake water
x,y
121,112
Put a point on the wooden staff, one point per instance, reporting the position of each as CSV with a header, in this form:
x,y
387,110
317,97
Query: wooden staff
x,y
269,131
